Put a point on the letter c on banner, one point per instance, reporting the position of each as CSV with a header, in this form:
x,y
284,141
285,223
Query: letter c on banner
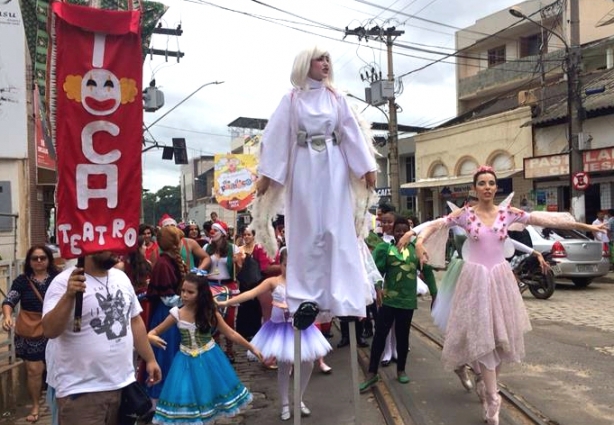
x,y
87,142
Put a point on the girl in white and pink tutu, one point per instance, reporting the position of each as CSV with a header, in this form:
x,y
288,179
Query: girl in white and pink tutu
x,y
487,317
275,339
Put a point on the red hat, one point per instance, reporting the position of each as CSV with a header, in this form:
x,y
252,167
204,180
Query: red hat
x,y
167,220
221,226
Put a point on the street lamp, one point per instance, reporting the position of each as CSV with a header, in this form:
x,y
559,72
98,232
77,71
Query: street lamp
x,y
184,99
574,102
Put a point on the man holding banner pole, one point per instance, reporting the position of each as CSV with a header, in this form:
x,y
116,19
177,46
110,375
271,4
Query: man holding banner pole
x,y
88,369
97,111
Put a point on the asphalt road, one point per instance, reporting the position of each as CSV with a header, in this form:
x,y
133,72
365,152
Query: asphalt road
x,y
567,374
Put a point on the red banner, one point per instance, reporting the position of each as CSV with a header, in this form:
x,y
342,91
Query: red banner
x,y
99,117
44,157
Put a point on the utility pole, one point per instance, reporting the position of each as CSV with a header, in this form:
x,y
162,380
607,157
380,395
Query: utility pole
x,y
166,53
575,111
388,36
393,133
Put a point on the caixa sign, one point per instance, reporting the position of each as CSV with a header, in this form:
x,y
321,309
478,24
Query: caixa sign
x,y
383,191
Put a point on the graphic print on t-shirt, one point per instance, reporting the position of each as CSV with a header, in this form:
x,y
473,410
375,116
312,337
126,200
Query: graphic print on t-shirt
x,y
110,318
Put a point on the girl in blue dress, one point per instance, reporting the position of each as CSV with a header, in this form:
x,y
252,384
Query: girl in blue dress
x,y
201,385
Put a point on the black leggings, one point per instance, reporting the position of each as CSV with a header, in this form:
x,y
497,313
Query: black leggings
x,y
402,323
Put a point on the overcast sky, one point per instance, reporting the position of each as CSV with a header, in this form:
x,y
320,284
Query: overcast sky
x,y
251,46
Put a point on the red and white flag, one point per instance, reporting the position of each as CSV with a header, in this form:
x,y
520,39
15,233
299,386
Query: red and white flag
x,y
97,63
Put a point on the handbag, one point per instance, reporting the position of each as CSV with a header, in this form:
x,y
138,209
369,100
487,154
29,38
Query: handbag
x,y
29,324
134,403
250,274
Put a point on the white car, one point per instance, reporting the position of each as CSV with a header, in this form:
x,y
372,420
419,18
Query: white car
x,y
578,258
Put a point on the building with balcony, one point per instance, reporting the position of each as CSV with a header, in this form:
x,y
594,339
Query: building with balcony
x,y
512,110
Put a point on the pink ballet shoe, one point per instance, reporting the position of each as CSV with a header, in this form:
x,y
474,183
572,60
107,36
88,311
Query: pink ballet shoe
x,y
463,374
480,388
492,411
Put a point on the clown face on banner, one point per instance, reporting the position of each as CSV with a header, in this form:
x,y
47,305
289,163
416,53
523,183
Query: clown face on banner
x,y
98,122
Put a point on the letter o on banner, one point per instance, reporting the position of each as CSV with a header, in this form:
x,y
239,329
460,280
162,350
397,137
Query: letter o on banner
x,y
130,237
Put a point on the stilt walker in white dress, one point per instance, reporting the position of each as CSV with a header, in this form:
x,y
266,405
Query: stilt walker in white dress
x,y
317,163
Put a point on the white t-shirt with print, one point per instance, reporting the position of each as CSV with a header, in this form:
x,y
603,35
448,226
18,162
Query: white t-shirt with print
x,y
99,358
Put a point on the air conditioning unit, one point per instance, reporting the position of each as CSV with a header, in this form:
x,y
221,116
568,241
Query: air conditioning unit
x,y
527,97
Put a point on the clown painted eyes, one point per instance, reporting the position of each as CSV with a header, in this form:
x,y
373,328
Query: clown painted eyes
x,y
92,83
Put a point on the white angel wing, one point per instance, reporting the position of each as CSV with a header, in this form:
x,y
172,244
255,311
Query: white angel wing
x,y
507,200
453,207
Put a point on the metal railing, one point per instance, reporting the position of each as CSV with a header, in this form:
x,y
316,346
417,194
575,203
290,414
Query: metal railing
x,y
9,270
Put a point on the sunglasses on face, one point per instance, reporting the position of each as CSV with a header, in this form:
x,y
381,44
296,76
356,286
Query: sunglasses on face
x,y
38,258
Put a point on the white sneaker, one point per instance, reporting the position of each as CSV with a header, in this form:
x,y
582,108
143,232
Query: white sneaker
x,y
305,410
326,369
285,413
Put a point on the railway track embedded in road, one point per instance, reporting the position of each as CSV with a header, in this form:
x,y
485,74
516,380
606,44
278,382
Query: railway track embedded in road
x,y
514,403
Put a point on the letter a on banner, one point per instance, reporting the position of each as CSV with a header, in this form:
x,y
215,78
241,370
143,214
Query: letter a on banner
x,y
97,65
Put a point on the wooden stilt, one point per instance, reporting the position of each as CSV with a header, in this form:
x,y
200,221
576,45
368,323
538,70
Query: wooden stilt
x,y
297,377
354,366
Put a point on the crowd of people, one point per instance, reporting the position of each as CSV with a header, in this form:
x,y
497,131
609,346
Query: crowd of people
x,y
158,314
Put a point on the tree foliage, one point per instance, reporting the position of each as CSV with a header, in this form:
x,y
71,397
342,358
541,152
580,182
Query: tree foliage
x,y
167,200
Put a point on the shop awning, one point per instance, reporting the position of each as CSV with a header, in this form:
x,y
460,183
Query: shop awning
x,y
453,181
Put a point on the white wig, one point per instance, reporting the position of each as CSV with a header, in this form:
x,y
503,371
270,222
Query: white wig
x,y
302,64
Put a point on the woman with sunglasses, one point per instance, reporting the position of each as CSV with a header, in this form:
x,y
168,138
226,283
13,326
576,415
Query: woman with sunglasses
x,y
29,288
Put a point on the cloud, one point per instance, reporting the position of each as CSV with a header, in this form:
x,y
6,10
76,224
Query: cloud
x,y
254,58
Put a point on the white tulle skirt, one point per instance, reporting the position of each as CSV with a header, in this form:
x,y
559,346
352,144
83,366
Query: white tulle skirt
x,y
276,340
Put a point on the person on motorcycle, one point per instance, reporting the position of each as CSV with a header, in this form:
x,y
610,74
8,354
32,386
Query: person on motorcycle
x,y
523,236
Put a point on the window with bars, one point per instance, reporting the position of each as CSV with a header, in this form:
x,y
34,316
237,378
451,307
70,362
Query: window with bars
x,y
496,56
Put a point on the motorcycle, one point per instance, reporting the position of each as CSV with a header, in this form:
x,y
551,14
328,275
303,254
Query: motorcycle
x,y
530,276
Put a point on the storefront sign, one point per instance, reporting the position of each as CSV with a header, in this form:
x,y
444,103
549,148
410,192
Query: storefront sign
x,y
599,160
45,155
504,186
13,88
546,166
383,191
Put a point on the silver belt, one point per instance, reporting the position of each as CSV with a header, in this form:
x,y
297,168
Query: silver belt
x,y
317,142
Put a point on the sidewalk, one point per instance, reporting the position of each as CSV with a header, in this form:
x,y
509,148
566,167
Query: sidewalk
x,y
328,396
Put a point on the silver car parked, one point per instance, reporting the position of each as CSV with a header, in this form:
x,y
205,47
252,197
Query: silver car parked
x,y
578,258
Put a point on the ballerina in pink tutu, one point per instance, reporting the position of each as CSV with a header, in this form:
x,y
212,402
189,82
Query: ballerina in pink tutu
x,y
275,339
487,318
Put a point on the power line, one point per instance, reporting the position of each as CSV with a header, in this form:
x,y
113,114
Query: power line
x,y
328,27
191,131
